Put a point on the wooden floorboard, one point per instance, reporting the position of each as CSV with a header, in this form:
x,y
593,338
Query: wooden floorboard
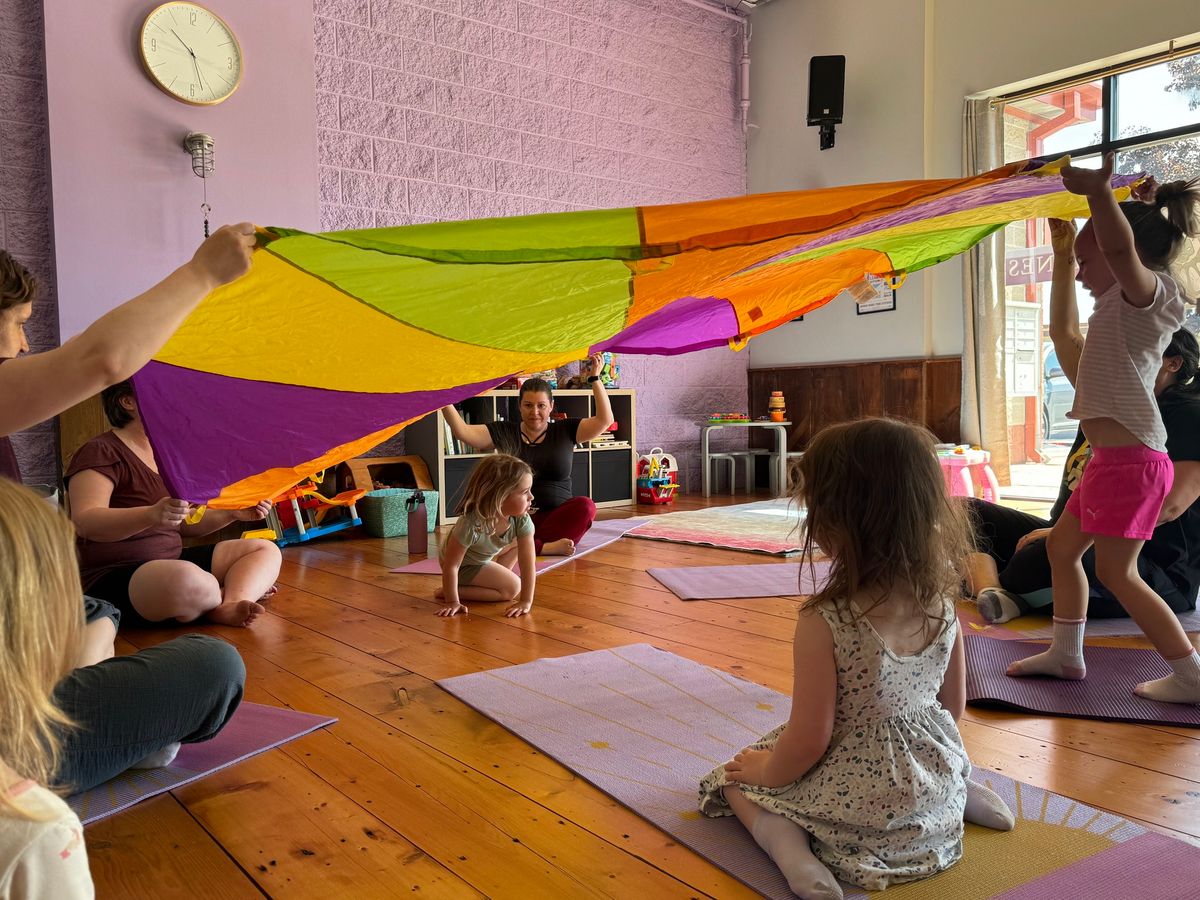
x,y
414,792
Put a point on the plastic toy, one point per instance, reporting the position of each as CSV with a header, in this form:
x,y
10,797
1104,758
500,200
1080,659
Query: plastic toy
x,y
300,512
727,418
657,479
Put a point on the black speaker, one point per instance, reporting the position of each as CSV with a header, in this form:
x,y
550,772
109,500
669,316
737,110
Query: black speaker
x,y
826,87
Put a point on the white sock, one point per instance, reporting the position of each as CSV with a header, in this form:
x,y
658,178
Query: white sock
x,y
788,846
159,758
1064,659
997,605
1182,686
985,807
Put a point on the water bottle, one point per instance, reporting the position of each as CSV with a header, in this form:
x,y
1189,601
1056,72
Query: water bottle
x,y
418,524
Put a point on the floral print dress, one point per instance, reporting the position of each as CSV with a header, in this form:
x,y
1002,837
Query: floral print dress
x,y
885,803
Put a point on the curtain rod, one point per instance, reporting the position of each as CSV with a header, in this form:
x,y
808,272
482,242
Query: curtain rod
x,y
1172,52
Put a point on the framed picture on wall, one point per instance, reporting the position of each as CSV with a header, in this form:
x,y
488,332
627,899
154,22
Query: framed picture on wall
x,y
873,295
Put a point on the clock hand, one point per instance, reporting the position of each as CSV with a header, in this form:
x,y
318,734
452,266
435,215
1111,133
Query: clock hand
x,y
185,46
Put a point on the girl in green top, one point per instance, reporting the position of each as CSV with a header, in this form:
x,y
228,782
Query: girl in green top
x,y
493,531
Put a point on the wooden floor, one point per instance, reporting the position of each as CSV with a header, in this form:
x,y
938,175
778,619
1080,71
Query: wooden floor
x,y
414,792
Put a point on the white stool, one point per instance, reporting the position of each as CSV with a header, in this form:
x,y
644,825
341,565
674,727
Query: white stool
x,y
720,458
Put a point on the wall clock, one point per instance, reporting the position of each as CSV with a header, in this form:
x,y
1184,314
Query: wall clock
x,y
191,53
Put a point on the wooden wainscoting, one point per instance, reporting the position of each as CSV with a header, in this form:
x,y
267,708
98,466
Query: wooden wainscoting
x,y
927,391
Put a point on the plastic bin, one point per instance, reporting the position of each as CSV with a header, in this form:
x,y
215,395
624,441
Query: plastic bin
x,y
384,513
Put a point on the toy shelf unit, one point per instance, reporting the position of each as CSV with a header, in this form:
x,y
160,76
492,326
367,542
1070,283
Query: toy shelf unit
x,y
604,470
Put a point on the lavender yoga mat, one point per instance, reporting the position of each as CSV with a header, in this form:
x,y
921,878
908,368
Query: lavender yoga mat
x,y
736,582
1031,628
645,726
602,533
1106,693
253,729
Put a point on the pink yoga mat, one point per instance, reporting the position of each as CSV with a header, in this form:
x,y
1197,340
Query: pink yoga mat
x,y
1106,693
602,533
738,582
253,729
645,726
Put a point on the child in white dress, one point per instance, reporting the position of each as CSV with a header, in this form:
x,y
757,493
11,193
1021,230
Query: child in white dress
x,y
870,769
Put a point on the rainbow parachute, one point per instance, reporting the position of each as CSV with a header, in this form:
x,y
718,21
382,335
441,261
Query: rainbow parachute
x,y
333,342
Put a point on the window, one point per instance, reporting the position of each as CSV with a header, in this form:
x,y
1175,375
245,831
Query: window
x,y
1151,118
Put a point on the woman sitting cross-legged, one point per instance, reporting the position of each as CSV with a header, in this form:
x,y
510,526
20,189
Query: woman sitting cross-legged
x,y
131,534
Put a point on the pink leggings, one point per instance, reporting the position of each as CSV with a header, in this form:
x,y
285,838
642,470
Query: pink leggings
x,y
571,520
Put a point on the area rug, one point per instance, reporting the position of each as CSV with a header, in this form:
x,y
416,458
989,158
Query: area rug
x,y
1106,693
645,726
602,533
1036,628
738,582
768,526
253,729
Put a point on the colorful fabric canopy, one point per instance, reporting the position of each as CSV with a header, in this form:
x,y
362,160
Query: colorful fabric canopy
x,y
333,342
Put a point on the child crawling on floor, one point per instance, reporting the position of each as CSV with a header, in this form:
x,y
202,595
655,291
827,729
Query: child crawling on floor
x,y
493,531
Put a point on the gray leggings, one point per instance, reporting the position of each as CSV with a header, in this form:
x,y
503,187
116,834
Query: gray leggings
x,y
128,707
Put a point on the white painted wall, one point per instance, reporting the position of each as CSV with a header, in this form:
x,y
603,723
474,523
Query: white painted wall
x,y
909,65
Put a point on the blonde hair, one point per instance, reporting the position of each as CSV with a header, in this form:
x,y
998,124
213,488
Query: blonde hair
x,y
493,479
41,627
877,504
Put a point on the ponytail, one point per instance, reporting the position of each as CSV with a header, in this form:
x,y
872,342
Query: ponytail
x,y
1161,225
1185,348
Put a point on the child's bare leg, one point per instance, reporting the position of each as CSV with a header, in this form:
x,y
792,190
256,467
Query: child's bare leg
x,y
1065,546
788,845
507,557
981,573
495,583
97,645
1116,566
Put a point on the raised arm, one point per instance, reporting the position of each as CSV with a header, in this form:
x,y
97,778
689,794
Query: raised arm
x,y
476,436
39,386
953,693
1114,237
1064,307
594,426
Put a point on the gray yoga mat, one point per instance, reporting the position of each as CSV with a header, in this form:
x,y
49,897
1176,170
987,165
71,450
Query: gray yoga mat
x,y
738,582
645,726
1106,693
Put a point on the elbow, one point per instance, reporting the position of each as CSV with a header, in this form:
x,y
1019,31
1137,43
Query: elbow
x,y
106,365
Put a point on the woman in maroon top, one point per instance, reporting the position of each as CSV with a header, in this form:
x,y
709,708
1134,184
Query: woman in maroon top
x,y
131,534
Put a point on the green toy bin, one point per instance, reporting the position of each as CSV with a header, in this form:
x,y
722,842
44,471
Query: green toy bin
x,y
384,512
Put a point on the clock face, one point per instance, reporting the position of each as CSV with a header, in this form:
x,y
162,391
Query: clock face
x,y
191,53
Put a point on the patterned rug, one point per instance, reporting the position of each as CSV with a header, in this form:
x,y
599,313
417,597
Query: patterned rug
x,y
645,726
253,729
768,526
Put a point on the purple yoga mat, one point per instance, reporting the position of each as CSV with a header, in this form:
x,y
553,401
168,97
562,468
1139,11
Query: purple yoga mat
x,y
602,533
646,726
1033,628
253,729
1106,693
739,582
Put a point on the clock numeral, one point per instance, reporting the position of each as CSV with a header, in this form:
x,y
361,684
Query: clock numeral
x,y
153,45
192,17
229,63
192,90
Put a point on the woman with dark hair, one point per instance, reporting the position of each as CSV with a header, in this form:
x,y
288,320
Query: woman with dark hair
x,y
548,446
131,534
136,709
1011,577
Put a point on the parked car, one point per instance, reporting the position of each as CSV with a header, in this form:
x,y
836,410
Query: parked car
x,y
1058,395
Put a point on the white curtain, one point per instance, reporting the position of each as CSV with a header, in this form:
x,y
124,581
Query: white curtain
x,y
984,394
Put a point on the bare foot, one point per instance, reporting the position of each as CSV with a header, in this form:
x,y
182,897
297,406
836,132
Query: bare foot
x,y
241,612
269,593
561,547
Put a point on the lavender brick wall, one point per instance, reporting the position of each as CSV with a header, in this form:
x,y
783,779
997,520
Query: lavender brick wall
x,y
451,109
25,198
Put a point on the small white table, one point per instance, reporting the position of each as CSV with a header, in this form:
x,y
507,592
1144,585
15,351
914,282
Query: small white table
x,y
781,459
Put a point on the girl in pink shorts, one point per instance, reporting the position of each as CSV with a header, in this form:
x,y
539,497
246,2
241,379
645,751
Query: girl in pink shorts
x,y
1122,254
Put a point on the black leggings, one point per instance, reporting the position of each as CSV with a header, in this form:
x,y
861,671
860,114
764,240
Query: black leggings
x,y
997,530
